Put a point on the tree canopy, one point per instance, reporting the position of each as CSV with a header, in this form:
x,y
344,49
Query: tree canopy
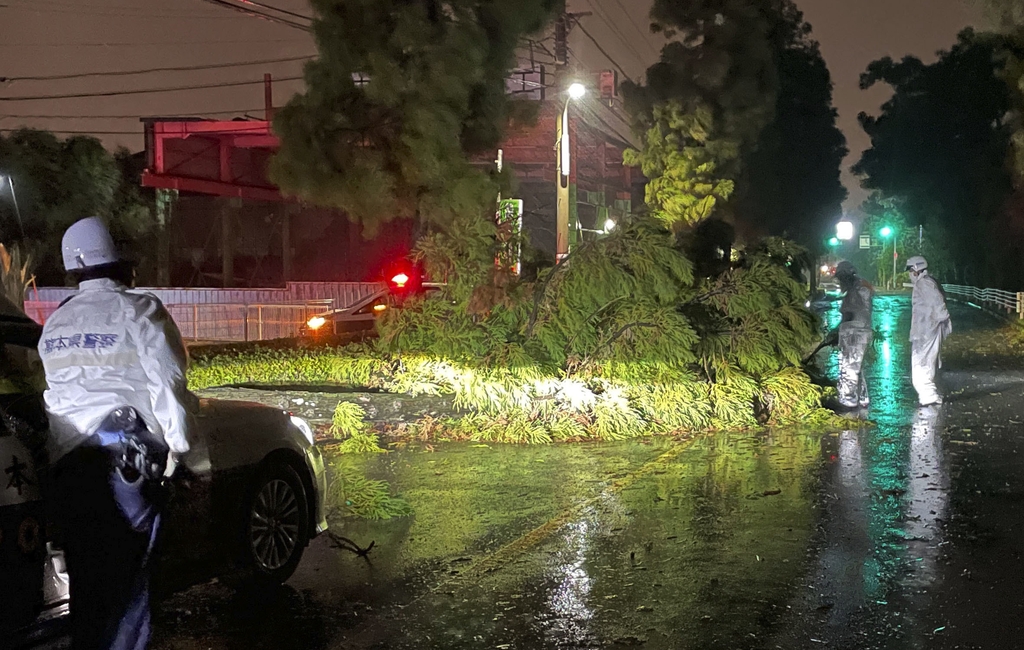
x,y
59,181
400,95
737,116
941,144
790,183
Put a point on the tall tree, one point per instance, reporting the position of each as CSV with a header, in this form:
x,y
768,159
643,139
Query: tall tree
x,y
58,182
401,92
790,185
704,104
941,144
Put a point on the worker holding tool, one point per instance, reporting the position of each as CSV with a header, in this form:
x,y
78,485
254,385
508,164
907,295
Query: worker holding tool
x,y
855,333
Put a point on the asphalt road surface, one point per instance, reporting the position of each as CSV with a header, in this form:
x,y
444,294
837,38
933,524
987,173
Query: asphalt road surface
x,y
908,534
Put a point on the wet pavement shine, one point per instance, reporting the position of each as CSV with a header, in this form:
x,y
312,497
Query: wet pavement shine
x,y
907,534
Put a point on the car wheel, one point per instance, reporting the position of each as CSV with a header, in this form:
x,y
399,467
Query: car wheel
x,y
277,524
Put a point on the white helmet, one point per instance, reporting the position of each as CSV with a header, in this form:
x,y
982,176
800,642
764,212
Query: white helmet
x,y
87,243
917,263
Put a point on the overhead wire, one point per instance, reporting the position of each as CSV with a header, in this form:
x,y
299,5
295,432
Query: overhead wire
x,y
94,132
157,43
256,13
124,116
277,9
140,91
597,44
180,68
618,32
643,37
111,12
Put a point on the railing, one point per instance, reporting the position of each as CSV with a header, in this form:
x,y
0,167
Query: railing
x,y
1008,301
224,322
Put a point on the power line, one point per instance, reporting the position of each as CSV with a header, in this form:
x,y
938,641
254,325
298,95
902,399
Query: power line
x,y
158,43
127,12
255,13
140,91
182,68
618,32
254,131
277,9
643,36
123,116
602,50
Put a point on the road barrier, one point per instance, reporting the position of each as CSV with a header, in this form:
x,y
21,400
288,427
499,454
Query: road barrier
x,y
1008,301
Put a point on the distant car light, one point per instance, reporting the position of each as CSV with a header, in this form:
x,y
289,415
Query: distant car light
x,y
379,308
303,426
400,280
316,322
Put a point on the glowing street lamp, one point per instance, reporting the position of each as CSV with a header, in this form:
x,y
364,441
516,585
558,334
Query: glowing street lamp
x,y
844,230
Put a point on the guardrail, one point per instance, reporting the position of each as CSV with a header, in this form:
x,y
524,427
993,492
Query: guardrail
x,y
1008,301
223,322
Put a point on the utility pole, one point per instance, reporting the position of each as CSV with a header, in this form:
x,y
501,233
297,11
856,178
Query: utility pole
x,y
566,217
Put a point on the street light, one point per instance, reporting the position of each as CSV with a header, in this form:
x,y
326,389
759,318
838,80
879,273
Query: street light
x,y
844,230
17,210
886,232
575,91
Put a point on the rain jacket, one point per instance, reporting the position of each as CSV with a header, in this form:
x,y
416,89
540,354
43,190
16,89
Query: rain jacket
x,y
856,306
108,347
930,318
855,333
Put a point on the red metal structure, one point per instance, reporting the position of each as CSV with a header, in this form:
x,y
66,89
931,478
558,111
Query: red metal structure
x,y
218,158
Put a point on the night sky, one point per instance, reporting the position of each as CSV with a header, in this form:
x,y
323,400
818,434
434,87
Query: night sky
x,y
51,37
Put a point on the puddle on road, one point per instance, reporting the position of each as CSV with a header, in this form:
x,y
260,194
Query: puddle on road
x,y
699,552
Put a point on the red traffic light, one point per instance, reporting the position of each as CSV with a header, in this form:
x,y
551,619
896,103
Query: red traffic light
x,y
400,280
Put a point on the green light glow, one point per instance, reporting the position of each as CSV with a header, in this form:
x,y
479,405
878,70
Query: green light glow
x,y
885,231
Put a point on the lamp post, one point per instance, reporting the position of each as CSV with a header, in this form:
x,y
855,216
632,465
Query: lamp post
x,y
886,232
562,142
17,210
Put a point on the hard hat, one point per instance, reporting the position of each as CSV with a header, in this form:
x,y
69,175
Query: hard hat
x,y
917,263
846,268
87,243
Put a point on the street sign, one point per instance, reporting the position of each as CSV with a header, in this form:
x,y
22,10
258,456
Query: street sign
x,y
865,241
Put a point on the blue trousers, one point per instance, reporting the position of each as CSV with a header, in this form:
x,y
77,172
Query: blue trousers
x,y
108,527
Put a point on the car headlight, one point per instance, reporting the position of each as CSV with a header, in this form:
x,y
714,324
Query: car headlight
x,y
303,426
316,322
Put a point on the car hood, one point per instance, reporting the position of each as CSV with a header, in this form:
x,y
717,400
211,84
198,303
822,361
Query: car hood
x,y
231,434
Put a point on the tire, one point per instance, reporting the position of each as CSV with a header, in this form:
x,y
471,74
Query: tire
x,y
276,524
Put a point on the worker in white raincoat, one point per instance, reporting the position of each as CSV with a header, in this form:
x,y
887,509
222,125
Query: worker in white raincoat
x,y
929,326
118,405
855,334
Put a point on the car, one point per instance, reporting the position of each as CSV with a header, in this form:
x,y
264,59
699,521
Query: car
x,y
361,316
245,501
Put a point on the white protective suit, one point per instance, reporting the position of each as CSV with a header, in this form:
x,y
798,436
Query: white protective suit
x,y
855,334
929,325
108,347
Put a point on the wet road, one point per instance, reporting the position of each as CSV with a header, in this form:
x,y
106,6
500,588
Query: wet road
x,y
904,535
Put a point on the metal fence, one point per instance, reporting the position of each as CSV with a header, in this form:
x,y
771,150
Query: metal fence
x,y
223,322
1008,301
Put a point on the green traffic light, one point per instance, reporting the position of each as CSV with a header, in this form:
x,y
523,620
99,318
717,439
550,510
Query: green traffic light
x,y
833,242
885,232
